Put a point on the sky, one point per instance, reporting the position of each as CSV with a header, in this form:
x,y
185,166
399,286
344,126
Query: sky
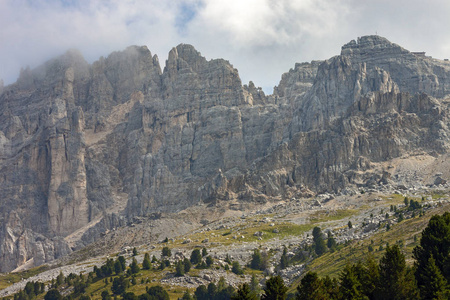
x,y
261,38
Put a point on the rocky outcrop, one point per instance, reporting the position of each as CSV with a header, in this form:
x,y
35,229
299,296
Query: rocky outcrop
x,y
84,148
413,73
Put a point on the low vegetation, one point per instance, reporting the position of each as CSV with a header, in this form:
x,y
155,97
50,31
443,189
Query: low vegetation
x,y
333,267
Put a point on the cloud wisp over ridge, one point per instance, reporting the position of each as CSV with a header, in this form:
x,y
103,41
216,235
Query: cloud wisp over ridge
x,y
261,38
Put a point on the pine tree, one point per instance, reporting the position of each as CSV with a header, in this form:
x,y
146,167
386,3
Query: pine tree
x,y
319,244
331,243
394,282
212,290
118,267
435,242
433,284
105,295
283,259
201,293
256,260
60,278
165,252
350,287
187,296
187,265
310,287
236,268
123,262
254,285
120,284
406,201
179,268
369,277
330,289
134,267
146,264
158,292
209,261
53,294
244,293
196,257
228,259
275,289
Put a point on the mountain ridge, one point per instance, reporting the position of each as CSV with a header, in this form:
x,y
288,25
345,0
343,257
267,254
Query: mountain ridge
x,y
123,138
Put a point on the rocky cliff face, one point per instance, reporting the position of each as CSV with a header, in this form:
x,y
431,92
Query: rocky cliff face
x,y
84,148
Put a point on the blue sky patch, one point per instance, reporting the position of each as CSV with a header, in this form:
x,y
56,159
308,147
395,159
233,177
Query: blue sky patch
x,y
187,11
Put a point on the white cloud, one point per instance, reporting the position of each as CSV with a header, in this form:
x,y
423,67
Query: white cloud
x,y
259,23
262,38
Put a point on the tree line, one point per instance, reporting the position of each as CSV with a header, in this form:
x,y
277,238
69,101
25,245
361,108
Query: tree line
x,y
390,278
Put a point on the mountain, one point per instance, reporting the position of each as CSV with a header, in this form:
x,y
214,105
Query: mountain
x,y
86,148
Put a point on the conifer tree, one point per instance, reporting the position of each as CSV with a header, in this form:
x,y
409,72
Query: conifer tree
x,y
187,265
146,264
435,242
256,260
395,282
134,267
350,287
165,252
275,289
196,257
118,267
244,293
283,259
254,285
310,287
319,244
179,268
434,285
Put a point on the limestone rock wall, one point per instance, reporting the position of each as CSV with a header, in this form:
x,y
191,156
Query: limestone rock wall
x,y
84,148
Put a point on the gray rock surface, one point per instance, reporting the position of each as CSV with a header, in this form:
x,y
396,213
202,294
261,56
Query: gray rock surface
x,y
86,148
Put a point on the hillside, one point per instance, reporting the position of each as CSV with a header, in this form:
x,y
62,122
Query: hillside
x,y
270,230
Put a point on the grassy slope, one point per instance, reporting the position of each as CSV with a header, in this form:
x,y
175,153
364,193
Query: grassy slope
x,y
332,263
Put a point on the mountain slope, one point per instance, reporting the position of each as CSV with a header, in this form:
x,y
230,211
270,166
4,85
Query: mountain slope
x,y
85,148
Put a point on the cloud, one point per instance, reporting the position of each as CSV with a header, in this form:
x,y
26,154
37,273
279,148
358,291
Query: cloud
x,y
264,38
35,31
261,38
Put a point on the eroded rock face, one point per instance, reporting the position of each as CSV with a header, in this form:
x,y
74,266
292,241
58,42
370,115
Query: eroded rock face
x,y
413,73
84,148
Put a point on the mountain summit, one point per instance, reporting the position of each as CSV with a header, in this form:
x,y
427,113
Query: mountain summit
x,y
87,148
